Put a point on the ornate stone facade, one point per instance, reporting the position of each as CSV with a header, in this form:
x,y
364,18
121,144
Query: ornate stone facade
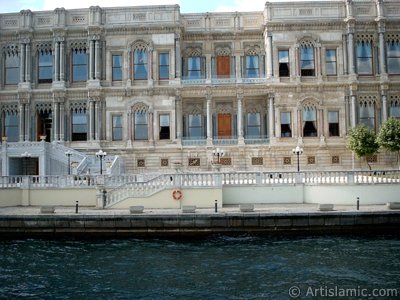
x,y
164,89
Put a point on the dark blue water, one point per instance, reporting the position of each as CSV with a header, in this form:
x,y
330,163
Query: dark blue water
x,y
213,268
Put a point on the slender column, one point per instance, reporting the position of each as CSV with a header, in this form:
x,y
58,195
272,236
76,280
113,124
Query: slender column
x,y
97,60
297,61
151,127
382,52
62,122
56,122
345,62
21,122
22,64
384,109
240,117
271,119
238,74
129,116
62,61
97,123
318,62
178,101
300,123
209,118
56,61
178,58
27,122
320,122
268,41
28,63
350,49
91,59
91,119
353,121
149,65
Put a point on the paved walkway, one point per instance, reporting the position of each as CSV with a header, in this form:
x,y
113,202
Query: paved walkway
x,y
231,209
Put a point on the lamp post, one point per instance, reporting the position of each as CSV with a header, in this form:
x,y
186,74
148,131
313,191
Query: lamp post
x,y
100,154
25,155
218,153
298,151
68,154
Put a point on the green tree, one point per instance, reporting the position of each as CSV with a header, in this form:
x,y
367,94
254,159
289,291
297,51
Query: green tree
x,y
389,136
362,141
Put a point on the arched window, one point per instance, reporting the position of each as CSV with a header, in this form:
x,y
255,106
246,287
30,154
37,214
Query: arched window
x,y
79,122
393,54
141,121
194,64
79,62
364,55
307,58
140,61
11,64
10,123
45,64
367,111
395,107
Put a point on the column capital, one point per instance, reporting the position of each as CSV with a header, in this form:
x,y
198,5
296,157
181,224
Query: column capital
x,y
208,93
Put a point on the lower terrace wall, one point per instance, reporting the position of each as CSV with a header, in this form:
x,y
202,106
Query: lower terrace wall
x,y
10,197
201,198
262,195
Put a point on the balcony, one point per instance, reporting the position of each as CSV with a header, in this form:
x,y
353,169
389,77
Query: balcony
x,y
225,141
253,140
194,141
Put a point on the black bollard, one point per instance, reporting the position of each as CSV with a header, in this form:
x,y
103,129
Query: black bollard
x,y
358,203
104,195
76,207
216,206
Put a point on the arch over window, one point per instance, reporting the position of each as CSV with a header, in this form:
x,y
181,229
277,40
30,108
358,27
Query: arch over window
x,y
365,54
252,62
395,107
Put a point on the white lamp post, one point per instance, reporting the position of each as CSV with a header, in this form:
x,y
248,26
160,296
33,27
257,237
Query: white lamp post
x,y
298,151
218,153
101,154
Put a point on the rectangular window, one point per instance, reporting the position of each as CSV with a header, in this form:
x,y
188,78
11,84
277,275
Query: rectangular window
x,y
252,67
194,67
141,132
140,65
79,125
12,69
253,125
195,126
283,56
45,67
164,127
11,127
395,110
330,62
309,122
393,57
117,128
79,65
367,114
364,58
117,67
333,121
286,129
307,61
163,59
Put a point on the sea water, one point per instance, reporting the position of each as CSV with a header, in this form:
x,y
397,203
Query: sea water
x,y
218,267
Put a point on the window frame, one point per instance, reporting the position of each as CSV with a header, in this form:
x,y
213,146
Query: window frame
x,y
145,64
248,126
327,62
288,63
160,127
161,66
6,68
78,136
289,124
137,126
114,127
113,67
201,126
6,128
247,70
303,72
73,64
332,129
40,54
374,117
389,57
370,58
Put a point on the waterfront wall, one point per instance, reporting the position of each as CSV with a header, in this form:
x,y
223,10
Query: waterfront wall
x,y
263,194
163,225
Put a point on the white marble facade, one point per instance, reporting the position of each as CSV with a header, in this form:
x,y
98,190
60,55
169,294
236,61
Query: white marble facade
x,y
164,89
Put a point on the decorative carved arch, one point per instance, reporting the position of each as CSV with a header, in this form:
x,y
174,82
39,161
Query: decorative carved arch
x,y
224,108
252,50
9,108
44,107
309,103
394,101
44,47
365,38
141,46
140,107
192,51
393,38
78,107
195,109
253,108
368,100
10,50
78,46
307,42
223,50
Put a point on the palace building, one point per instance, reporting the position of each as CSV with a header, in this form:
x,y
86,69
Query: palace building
x,y
162,91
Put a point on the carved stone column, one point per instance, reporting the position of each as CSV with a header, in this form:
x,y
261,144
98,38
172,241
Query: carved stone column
x,y
271,119
350,48
209,118
28,63
97,120
27,122
56,121
91,119
268,42
62,122
384,108
91,59
56,61
382,48
97,60
178,109
240,117
21,122
22,63
178,58
353,105
62,61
